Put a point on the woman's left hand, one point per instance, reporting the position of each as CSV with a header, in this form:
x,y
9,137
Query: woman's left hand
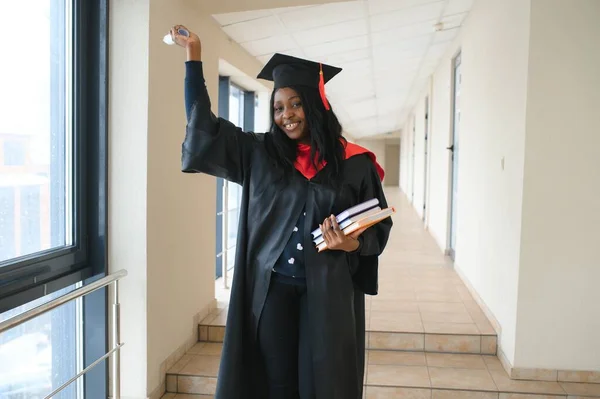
x,y
336,239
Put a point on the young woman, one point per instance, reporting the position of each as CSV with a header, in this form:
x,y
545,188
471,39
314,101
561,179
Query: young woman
x,y
296,322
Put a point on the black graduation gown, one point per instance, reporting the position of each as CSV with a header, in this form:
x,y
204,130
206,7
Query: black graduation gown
x,y
336,281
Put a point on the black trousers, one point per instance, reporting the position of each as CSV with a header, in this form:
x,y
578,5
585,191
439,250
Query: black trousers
x,y
284,344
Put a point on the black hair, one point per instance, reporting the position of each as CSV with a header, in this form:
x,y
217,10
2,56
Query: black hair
x,y
325,134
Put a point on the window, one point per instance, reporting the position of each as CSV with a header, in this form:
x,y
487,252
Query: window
x,y
52,193
42,351
14,152
238,106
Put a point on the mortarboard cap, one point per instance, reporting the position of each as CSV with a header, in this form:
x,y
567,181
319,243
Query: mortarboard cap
x,y
285,71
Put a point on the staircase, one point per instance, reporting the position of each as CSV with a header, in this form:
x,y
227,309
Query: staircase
x,y
426,336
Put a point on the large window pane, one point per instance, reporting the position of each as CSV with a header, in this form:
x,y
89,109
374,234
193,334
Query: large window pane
x,y
236,106
40,355
35,127
262,116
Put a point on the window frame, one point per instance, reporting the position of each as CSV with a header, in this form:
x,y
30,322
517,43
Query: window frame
x,y
248,117
30,277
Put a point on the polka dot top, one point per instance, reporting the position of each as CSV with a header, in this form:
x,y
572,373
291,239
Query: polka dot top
x,y
290,265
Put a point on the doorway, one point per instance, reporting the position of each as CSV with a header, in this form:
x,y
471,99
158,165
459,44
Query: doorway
x,y
454,149
392,165
425,159
412,166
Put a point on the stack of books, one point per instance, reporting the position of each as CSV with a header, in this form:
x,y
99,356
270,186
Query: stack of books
x,y
363,215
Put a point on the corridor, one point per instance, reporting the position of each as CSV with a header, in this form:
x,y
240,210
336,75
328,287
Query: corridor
x,y
427,337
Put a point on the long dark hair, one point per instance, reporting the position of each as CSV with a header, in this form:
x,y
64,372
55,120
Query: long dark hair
x,y
326,138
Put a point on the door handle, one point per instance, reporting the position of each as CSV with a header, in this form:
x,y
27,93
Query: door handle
x,y
451,148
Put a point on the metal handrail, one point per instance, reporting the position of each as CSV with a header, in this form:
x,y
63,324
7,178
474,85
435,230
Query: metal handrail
x,y
48,306
228,249
227,210
78,293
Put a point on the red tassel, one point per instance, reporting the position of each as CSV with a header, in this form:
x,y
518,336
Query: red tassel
x,y
322,88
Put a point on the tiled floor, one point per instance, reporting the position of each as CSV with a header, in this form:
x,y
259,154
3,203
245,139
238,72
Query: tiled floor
x,y
427,338
401,374
422,303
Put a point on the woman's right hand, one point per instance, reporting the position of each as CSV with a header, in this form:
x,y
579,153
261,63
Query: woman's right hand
x,y
191,43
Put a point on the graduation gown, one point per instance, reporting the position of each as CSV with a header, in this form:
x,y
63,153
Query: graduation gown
x,y
271,204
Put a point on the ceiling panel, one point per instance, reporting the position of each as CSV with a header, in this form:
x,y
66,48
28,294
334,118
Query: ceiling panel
x,y
323,15
383,58
385,6
360,67
458,6
294,53
403,33
273,44
363,125
387,123
256,29
445,36
290,9
391,103
387,49
363,91
365,108
331,33
454,20
237,17
401,65
387,92
348,56
436,51
408,16
406,47
337,47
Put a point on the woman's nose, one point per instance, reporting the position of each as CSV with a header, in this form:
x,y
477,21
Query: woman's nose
x,y
288,113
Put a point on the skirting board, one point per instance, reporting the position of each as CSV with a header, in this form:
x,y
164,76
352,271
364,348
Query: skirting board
x,y
490,316
519,373
192,340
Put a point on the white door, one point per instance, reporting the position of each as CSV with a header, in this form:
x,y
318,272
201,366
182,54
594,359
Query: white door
x,y
457,78
412,166
425,159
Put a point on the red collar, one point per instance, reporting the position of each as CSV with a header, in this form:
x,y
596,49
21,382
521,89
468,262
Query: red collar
x,y
305,166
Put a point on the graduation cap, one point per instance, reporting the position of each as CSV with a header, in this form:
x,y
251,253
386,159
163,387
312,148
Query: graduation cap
x,y
285,70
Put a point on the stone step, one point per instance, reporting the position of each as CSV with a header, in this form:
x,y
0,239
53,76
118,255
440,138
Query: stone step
x,y
414,322
485,344
400,341
399,374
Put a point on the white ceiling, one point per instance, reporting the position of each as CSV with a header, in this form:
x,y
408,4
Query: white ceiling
x,y
387,49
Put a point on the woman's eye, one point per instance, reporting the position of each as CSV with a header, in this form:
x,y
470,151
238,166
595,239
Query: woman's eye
x,y
297,105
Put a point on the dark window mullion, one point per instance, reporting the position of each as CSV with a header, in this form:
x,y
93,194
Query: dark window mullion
x,y
249,103
224,90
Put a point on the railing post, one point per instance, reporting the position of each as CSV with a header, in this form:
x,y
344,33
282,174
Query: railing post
x,y
116,357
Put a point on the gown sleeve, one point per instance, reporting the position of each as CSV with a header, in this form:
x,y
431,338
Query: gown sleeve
x,y
374,239
212,145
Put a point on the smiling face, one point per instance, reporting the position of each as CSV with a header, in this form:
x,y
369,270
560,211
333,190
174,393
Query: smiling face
x,y
288,114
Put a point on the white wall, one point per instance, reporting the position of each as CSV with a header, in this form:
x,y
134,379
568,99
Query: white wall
x,y
528,174
161,220
560,268
495,49
376,146
494,64
127,183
